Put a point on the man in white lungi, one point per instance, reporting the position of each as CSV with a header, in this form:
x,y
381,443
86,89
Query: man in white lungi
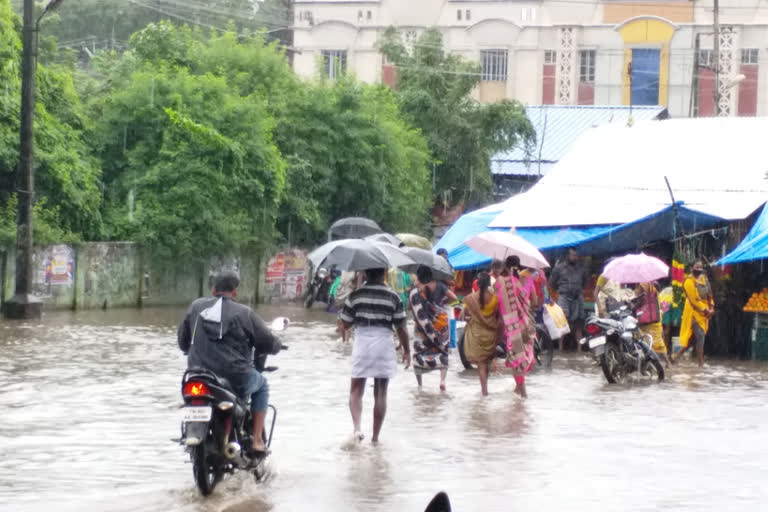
x,y
375,310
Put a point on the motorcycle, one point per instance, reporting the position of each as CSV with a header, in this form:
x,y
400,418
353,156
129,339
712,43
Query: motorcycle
x,y
543,347
620,347
217,427
320,288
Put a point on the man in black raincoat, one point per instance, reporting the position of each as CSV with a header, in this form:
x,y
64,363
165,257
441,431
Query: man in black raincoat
x,y
220,335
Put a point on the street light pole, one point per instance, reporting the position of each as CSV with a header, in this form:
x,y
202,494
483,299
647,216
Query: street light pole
x,y
24,304
716,57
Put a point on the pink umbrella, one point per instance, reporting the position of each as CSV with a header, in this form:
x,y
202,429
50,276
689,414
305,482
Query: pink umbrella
x,y
636,268
501,244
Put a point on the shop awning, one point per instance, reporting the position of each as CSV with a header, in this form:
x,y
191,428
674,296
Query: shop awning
x,y
590,240
618,174
755,244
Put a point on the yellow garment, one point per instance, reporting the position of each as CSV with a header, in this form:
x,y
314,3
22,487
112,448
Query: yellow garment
x,y
656,331
692,314
481,334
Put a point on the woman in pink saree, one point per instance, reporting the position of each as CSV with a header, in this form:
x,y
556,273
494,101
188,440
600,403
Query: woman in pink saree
x,y
518,324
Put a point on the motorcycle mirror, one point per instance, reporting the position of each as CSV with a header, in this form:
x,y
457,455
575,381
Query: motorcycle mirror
x,y
279,324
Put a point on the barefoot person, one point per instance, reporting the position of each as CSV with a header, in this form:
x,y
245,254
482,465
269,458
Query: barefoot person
x,y
374,310
430,346
517,324
481,312
699,309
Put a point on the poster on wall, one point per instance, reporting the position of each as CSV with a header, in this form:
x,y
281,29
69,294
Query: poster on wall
x,y
55,268
293,285
275,276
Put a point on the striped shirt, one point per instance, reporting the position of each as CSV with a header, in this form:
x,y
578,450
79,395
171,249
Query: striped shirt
x,y
374,305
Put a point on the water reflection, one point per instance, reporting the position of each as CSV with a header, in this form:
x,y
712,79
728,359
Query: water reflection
x,y
90,400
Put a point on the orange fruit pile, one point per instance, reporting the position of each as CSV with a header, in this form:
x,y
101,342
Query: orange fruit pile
x,y
758,302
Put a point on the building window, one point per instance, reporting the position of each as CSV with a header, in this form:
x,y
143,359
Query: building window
x,y
369,15
705,58
550,57
494,65
468,15
334,63
749,55
359,16
528,14
458,15
587,69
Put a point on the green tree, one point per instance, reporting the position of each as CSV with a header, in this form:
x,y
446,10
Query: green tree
x,y
67,175
350,153
434,90
191,165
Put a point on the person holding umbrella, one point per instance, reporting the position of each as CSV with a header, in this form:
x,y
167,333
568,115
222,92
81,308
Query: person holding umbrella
x,y
374,310
517,323
430,347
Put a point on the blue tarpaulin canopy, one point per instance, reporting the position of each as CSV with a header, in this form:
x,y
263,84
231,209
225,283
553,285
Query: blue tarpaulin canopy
x,y
591,240
755,244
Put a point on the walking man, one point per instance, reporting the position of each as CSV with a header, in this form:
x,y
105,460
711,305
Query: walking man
x,y
568,279
374,310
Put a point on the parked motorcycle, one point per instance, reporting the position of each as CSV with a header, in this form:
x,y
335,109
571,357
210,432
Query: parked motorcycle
x,y
543,348
620,347
217,427
319,288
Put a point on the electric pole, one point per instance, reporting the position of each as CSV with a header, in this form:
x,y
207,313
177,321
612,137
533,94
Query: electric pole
x,y
24,304
716,57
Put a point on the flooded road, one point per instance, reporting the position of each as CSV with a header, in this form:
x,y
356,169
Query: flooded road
x,y
90,400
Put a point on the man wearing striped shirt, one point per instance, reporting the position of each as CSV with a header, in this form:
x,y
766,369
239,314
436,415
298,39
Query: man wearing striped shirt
x,y
374,310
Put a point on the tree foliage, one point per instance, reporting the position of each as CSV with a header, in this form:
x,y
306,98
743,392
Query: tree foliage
x,y
209,142
434,90
67,184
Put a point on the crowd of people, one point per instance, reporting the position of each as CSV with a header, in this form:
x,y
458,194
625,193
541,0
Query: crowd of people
x,y
501,315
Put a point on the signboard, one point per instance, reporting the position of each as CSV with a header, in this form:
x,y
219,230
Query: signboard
x,y
285,275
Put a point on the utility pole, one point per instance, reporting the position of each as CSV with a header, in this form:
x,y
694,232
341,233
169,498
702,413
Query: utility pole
x,y
716,57
693,105
24,304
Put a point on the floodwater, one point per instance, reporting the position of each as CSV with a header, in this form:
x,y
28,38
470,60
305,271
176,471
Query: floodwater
x,y
89,403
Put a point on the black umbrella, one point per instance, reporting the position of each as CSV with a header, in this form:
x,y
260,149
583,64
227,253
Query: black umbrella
x,y
441,269
353,227
359,255
385,238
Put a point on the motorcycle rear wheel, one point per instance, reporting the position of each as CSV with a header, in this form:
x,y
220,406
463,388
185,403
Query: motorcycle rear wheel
x,y
544,348
653,368
462,354
207,473
613,368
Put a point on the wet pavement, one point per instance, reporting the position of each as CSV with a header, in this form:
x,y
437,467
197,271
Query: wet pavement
x,y
90,400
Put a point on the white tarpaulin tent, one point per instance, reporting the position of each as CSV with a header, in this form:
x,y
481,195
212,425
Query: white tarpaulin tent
x,y
615,174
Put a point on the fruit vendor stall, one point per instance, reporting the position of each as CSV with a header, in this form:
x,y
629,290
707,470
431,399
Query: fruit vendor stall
x,y
753,248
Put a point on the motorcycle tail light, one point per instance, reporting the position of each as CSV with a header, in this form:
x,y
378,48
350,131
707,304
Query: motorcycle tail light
x,y
593,329
195,388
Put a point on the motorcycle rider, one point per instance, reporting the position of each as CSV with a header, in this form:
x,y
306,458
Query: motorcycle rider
x,y
220,335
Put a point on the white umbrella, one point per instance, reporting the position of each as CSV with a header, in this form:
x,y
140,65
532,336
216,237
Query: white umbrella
x,y
636,268
501,244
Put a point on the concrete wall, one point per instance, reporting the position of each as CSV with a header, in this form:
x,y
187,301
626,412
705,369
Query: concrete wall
x,y
121,274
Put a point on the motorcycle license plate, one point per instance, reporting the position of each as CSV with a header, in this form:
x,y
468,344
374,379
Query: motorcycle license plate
x,y
596,342
196,414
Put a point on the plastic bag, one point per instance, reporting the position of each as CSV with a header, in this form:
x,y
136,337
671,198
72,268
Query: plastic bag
x,y
555,321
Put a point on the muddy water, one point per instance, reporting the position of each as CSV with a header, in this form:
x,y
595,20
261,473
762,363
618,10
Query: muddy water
x,y
89,403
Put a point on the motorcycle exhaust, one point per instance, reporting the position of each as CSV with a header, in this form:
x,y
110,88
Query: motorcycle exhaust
x,y
232,450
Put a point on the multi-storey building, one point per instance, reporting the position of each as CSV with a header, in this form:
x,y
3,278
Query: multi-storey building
x,y
587,52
